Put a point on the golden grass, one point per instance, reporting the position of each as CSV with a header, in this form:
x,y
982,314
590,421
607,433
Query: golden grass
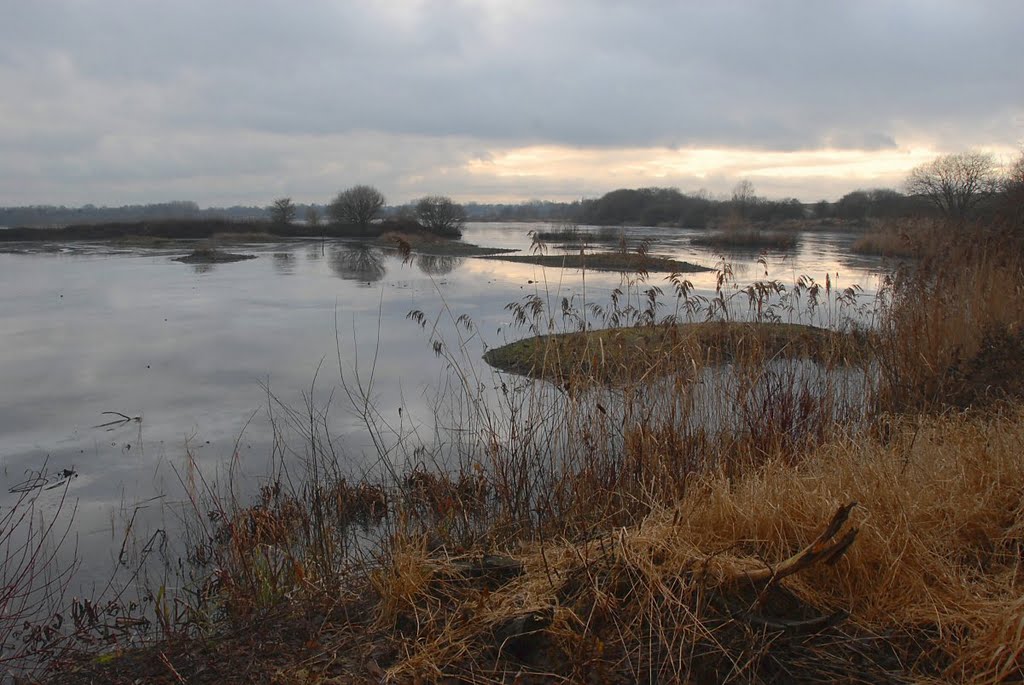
x,y
952,332
933,576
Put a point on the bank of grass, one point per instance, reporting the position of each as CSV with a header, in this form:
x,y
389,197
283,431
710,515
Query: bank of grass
x,y
746,239
630,262
622,355
796,533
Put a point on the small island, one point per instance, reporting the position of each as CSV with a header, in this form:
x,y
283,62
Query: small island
x,y
209,255
606,261
618,356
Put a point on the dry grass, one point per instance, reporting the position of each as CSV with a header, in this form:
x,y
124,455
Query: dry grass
x,y
585,533
951,333
904,238
932,583
622,355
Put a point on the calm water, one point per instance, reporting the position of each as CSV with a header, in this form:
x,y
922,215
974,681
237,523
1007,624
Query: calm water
x,y
193,350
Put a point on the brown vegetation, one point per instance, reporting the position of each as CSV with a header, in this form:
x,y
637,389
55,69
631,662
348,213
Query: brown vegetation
x,y
782,520
907,238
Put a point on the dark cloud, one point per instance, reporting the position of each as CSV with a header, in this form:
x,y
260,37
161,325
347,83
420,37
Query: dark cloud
x,y
129,90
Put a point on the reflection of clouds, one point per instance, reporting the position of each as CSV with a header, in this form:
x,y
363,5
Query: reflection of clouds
x,y
437,265
284,263
357,262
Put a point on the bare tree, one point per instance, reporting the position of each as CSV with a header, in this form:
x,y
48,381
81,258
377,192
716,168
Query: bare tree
x,y
282,212
955,183
743,196
358,205
441,215
312,217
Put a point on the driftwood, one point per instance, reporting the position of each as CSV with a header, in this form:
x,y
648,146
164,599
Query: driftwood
x,y
826,548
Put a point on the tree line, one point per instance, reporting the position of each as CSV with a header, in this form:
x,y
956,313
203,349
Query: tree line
x,y
959,186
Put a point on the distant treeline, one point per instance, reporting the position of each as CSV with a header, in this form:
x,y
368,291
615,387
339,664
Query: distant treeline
x,y
671,207
642,206
199,228
50,216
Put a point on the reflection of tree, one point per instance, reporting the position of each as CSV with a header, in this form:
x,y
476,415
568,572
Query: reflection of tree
x,y
357,263
314,252
437,265
203,267
284,263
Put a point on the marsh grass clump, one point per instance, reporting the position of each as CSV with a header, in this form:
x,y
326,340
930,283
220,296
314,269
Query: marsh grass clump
x,y
950,329
747,238
904,238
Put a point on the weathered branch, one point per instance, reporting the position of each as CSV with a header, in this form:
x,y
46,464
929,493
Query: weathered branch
x,y
826,548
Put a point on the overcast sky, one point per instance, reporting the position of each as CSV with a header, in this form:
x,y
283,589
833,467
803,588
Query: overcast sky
x,y
241,101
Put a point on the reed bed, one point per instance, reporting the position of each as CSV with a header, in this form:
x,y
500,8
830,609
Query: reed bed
x,y
903,238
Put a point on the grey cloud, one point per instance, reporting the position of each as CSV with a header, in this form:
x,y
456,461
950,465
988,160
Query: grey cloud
x,y
769,75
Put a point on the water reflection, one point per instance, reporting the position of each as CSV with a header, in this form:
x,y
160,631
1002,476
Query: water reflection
x,y
438,265
315,252
357,262
87,331
284,263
